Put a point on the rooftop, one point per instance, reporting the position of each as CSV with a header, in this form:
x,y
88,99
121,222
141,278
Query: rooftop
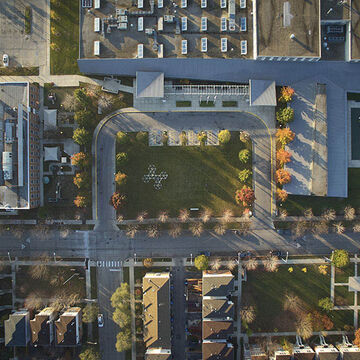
x,y
157,354
156,300
217,308
66,327
355,29
149,84
217,283
278,20
216,329
217,350
17,329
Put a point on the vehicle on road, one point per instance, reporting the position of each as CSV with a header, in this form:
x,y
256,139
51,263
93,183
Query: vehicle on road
x,y
206,253
100,320
277,253
245,254
6,60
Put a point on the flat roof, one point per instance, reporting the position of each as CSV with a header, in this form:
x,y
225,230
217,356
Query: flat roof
x,y
335,10
277,20
149,84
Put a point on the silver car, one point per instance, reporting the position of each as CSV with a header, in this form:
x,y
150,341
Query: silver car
x,y
100,320
6,60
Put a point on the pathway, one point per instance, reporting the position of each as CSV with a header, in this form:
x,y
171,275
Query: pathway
x,y
238,319
132,308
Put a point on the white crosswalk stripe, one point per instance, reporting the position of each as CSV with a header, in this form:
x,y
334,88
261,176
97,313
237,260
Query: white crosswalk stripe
x,y
109,263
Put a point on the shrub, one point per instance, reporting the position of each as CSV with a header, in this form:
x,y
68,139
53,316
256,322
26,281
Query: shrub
x,y
201,262
282,176
245,196
244,155
148,262
285,115
82,136
120,178
357,337
80,159
84,118
80,201
117,200
82,98
281,194
121,159
202,136
244,175
165,138
183,138
122,138
326,304
244,136
284,136
79,180
283,157
142,137
340,258
287,93
90,312
224,136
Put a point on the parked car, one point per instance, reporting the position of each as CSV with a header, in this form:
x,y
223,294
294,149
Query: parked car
x,y
100,320
6,60
277,253
244,254
206,253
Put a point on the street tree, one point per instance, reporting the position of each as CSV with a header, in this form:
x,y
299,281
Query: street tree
x,y
123,340
90,312
82,136
89,353
340,258
201,262
224,136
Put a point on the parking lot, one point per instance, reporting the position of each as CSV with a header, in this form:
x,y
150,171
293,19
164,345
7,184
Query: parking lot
x,y
23,49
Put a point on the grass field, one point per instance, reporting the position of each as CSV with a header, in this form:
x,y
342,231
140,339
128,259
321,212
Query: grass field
x,y
64,47
295,204
342,275
266,292
198,177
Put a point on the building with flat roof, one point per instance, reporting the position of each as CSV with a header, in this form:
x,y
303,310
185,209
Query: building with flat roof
x,y
17,329
19,146
68,328
42,327
158,354
156,305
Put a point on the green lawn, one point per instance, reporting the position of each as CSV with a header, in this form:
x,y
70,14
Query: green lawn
x,y
343,296
266,292
64,48
198,177
296,204
342,275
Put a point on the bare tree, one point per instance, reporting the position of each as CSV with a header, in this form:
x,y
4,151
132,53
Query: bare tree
x,y
304,327
329,215
64,233
349,213
220,229
131,231
271,263
299,228
163,216
283,214
251,264
69,103
205,216
293,303
215,264
231,265
105,101
244,227
120,218
320,227
227,216
34,302
141,217
40,270
196,228
339,228
356,227
248,314
175,230
308,213
153,231
184,215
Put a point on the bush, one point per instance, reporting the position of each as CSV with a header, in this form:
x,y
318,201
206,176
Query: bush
x,y
148,262
285,115
82,136
340,258
201,262
121,159
142,137
281,194
117,200
287,93
244,175
80,159
283,157
84,118
245,196
244,155
122,138
284,136
120,178
224,136
326,304
282,176
202,136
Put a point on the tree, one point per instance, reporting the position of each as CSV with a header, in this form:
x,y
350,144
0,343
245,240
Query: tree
x,y
287,93
357,337
122,315
339,228
131,231
293,303
304,327
80,159
82,98
184,215
84,118
82,136
244,156
227,216
285,115
245,196
224,136
69,103
340,258
122,138
220,229
284,136
80,201
152,231
308,213
283,157
121,159
183,138
175,230
120,178
271,263
231,265
34,302
89,353
329,214
90,313
40,271
79,180
163,216
117,200
121,295
196,228
205,215
349,213
326,304
123,340
142,137
244,175
215,264
281,194
251,264
282,176
148,262
356,228
244,137
202,136
201,262
248,314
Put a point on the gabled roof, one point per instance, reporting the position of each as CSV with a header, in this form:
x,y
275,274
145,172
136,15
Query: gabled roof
x,y
156,300
216,329
217,308
65,326
217,283
217,350
262,92
149,84
40,330
17,329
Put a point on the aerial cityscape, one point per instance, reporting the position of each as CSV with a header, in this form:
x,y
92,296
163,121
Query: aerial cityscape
x,y
180,179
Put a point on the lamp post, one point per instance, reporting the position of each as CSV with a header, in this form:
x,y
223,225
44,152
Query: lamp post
x,y
191,258
9,256
135,258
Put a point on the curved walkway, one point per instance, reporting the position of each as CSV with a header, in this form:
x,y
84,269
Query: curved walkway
x,y
261,132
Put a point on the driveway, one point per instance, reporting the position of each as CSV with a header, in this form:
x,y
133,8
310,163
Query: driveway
x,y
132,120
24,50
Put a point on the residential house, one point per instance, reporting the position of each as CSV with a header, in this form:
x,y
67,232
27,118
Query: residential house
x,y
42,327
68,328
17,329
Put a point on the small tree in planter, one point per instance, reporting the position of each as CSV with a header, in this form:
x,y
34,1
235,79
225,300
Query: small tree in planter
x,y
283,157
122,138
281,194
142,137
244,175
244,156
285,115
245,196
201,262
224,136
202,136
165,138
117,200
183,138
282,176
340,258
287,93
121,159
120,178
284,136
244,137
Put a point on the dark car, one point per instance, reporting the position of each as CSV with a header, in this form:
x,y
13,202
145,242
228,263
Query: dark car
x,y
245,254
277,253
206,253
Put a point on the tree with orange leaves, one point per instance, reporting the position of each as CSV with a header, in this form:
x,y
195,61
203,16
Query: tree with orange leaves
x,y
281,194
282,176
283,157
287,93
80,201
284,136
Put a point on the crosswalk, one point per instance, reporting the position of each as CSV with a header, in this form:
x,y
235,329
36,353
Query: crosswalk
x,y
109,264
